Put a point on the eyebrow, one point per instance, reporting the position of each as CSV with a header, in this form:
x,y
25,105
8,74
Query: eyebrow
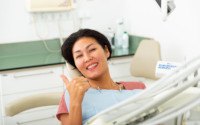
x,y
85,47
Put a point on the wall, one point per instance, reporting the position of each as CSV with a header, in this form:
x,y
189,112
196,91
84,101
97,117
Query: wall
x,y
178,35
18,25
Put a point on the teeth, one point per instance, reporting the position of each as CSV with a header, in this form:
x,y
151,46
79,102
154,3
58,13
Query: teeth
x,y
91,66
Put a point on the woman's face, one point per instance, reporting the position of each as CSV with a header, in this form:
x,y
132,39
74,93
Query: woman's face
x,y
90,58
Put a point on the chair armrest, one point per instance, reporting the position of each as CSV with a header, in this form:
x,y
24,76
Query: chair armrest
x,y
32,101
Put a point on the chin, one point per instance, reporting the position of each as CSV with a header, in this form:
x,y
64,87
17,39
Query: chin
x,y
93,76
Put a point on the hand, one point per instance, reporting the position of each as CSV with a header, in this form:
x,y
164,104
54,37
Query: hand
x,y
76,88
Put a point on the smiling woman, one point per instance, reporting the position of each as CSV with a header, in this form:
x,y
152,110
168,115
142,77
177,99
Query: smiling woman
x,y
90,58
88,51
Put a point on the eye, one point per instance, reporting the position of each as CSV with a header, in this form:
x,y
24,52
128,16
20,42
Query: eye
x,y
78,56
93,49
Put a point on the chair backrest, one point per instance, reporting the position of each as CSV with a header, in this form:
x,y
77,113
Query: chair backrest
x,y
72,72
32,101
144,61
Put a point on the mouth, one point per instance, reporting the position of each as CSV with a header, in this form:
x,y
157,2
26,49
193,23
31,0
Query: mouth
x,y
92,66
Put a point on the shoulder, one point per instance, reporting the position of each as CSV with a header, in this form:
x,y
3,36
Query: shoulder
x,y
133,85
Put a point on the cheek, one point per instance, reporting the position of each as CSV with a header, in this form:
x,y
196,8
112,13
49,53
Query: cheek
x,y
79,64
102,57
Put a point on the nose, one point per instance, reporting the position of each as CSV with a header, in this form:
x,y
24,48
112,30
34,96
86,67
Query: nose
x,y
87,57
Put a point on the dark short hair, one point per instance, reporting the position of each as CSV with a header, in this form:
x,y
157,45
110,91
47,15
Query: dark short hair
x,y
68,44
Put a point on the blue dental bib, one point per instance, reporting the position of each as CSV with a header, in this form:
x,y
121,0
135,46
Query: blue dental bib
x,y
95,101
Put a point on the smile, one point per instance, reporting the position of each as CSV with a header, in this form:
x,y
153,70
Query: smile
x,y
92,66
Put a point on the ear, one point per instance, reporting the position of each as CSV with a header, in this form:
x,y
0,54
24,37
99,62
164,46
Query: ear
x,y
107,52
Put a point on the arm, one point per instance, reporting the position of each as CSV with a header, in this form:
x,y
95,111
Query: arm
x,y
63,114
76,88
74,117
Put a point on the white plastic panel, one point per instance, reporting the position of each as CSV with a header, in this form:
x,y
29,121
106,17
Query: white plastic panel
x,y
120,67
49,5
31,80
38,117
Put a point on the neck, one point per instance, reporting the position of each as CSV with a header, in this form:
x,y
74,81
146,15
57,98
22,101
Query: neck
x,y
104,82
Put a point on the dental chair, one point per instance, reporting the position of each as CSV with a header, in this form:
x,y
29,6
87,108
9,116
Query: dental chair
x,y
32,102
143,63
169,97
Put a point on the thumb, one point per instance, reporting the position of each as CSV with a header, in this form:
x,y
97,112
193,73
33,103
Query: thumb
x,y
64,78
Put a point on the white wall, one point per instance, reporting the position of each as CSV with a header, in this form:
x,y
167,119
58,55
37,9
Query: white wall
x,y
18,25
178,35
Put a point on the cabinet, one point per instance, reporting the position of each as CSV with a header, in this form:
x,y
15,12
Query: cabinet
x,y
19,83
1,120
119,68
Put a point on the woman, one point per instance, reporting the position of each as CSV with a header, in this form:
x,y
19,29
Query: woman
x,y
88,51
